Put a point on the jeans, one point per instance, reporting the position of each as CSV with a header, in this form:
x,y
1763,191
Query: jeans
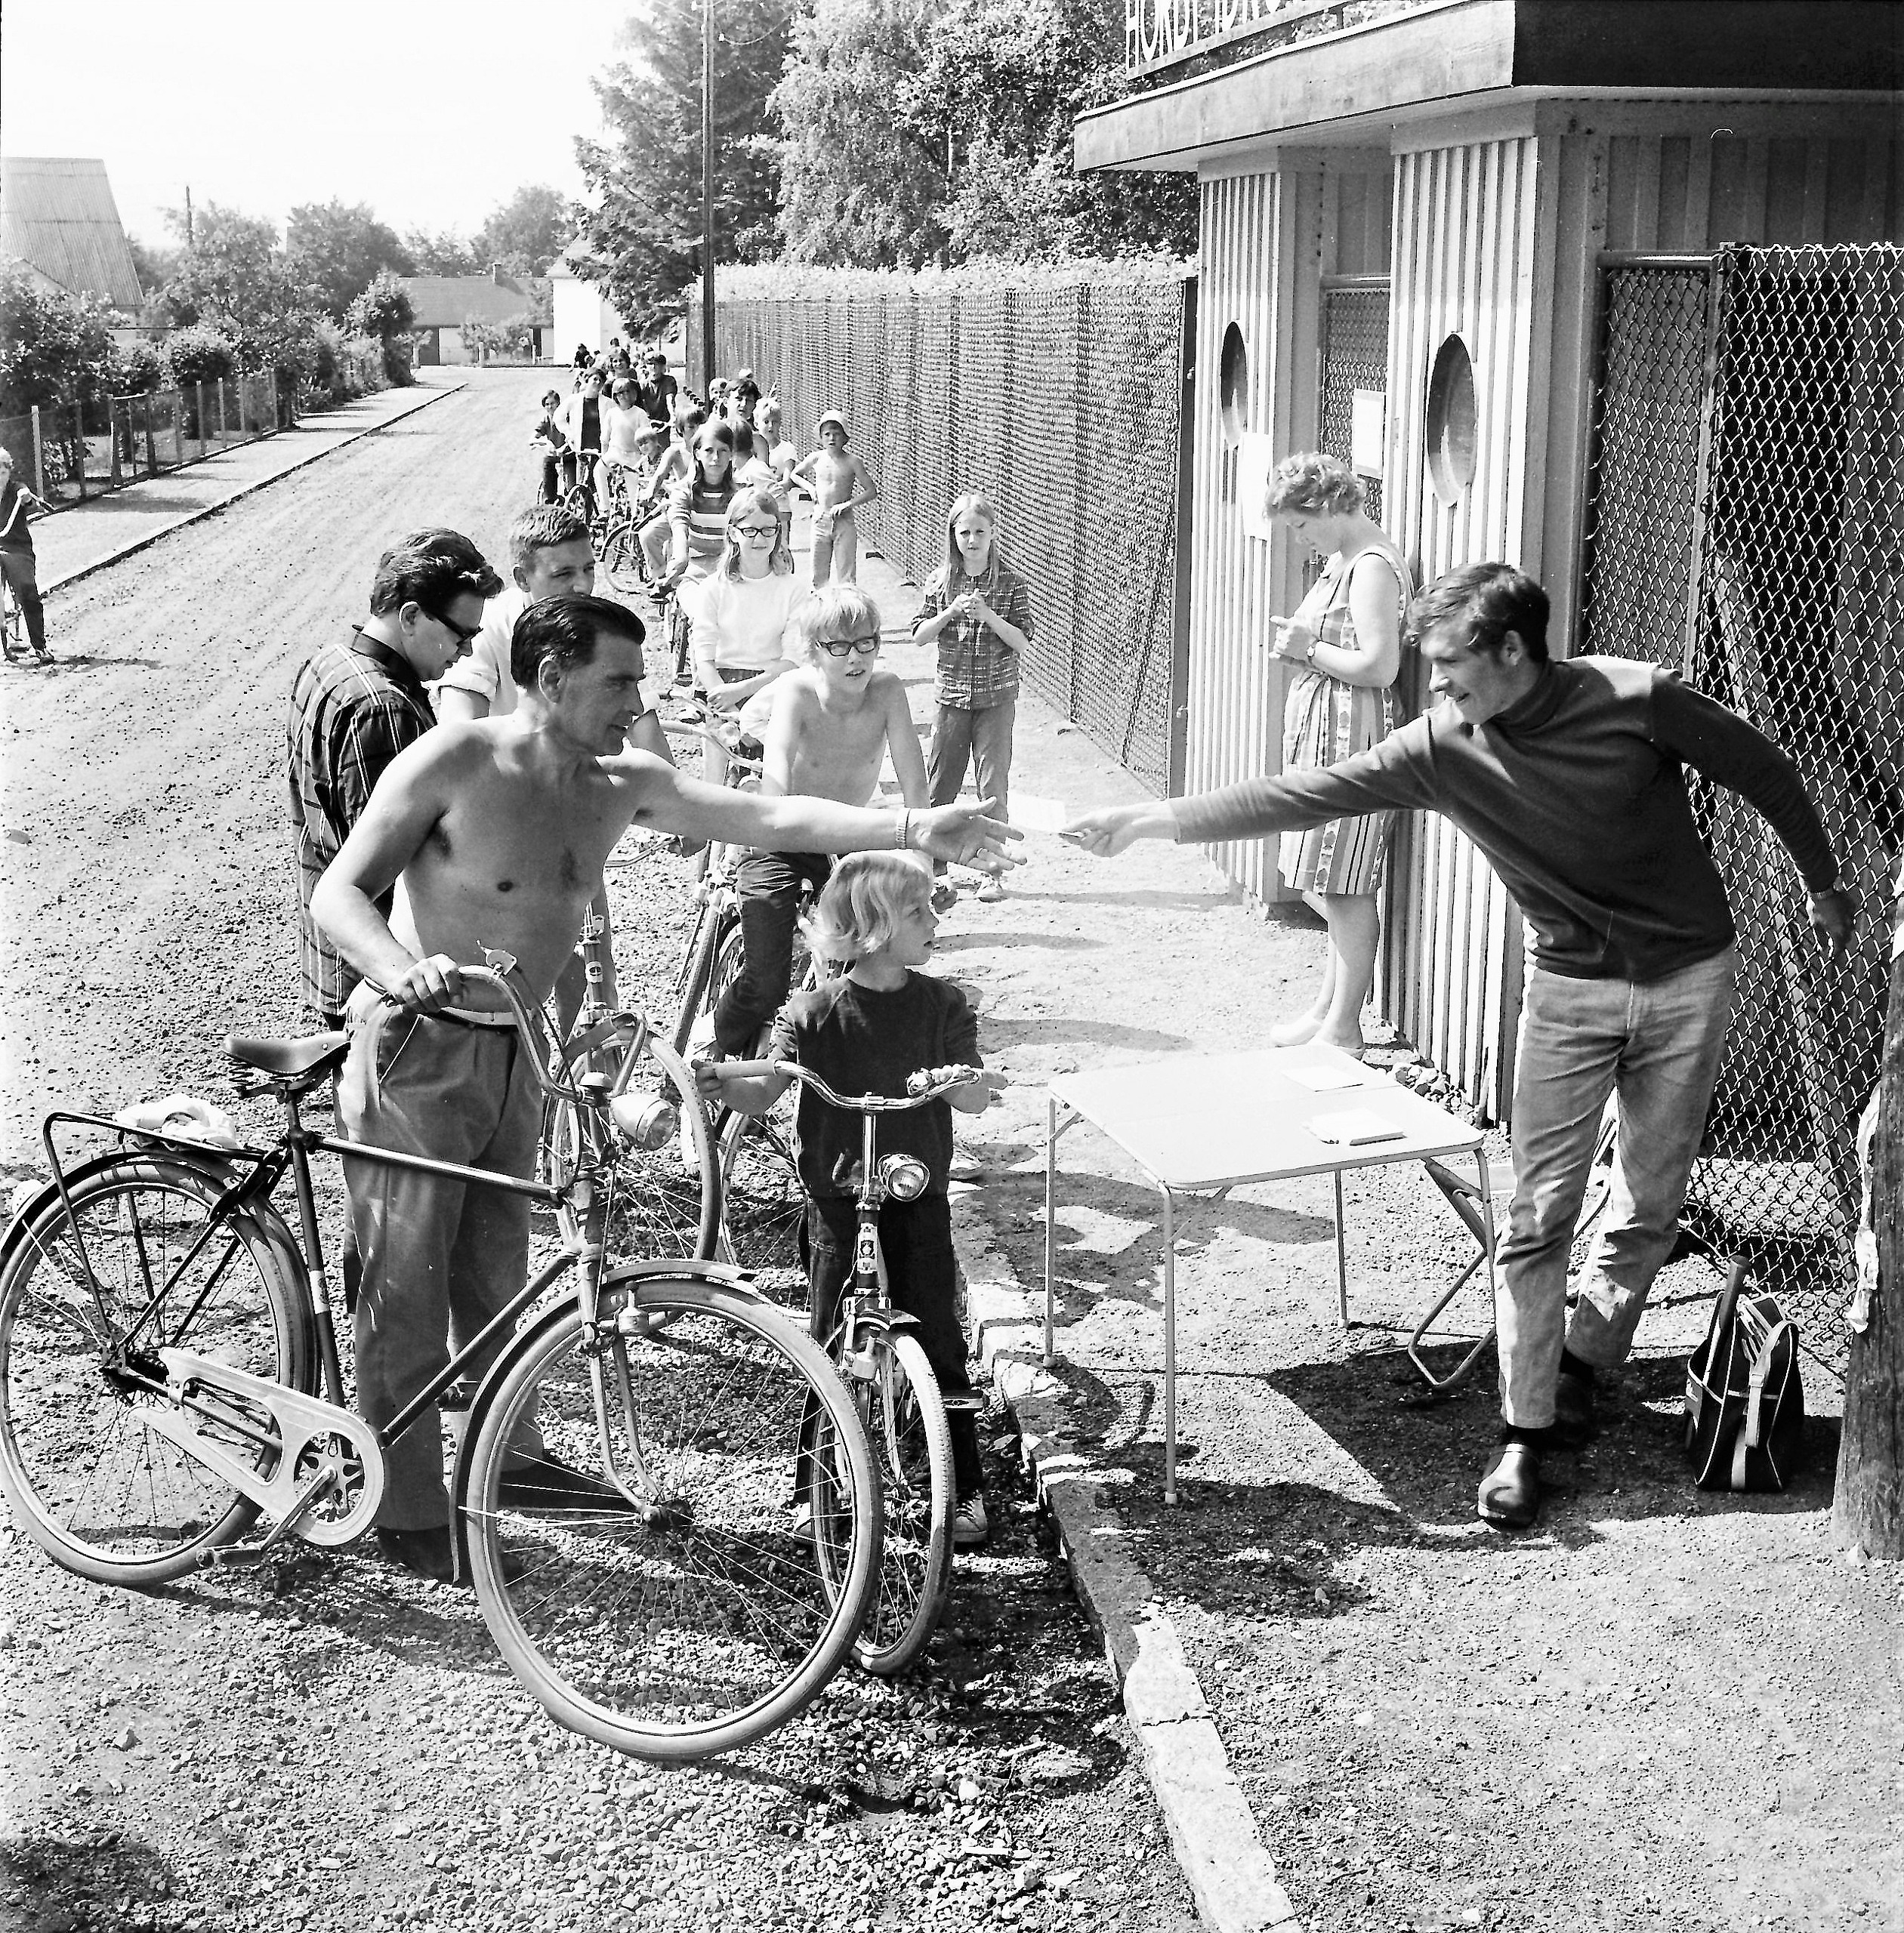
x,y
983,739
21,570
768,885
915,1238
836,552
1655,1044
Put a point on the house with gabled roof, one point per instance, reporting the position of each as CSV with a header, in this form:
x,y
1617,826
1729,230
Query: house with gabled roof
x,y
443,303
57,214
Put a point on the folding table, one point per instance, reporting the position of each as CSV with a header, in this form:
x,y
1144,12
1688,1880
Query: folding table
x,y
1202,1124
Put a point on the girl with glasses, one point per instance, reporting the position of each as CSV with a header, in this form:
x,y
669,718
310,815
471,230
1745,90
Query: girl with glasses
x,y
746,633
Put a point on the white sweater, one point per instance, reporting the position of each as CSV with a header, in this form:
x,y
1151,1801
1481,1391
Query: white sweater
x,y
743,624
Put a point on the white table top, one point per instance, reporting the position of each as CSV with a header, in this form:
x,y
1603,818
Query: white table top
x,y
1200,1121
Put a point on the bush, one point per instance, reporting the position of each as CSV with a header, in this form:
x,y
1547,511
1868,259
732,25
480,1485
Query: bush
x,y
364,364
53,347
136,369
384,312
198,355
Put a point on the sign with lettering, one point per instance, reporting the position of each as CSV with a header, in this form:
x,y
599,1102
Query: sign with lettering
x,y
1161,33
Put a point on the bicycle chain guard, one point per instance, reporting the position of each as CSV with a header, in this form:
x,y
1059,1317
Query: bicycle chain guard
x,y
329,1472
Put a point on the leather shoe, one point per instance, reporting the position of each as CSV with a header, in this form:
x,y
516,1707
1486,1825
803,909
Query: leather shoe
x,y
546,1483
1509,1496
1573,1409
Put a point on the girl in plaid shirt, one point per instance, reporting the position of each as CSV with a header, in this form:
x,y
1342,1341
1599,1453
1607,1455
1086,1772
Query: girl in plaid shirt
x,y
980,613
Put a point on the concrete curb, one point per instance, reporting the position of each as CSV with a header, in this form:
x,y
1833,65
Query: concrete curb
x,y
135,544
1211,1831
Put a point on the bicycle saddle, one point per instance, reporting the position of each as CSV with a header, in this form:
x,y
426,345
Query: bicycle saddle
x,y
313,1053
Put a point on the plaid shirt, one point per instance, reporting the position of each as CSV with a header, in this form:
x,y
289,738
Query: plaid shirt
x,y
976,668
354,706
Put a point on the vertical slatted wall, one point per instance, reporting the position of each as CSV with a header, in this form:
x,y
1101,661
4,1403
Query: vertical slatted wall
x,y
1464,264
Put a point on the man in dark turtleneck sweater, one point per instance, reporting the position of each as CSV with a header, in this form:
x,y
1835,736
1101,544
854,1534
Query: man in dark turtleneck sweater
x,y
1570,777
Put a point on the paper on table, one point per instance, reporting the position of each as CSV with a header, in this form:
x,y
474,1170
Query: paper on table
x,y
1321,1079
1031,814
1353,1127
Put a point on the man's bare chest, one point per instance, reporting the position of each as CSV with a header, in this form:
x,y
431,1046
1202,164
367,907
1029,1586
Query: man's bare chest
x,y
518,837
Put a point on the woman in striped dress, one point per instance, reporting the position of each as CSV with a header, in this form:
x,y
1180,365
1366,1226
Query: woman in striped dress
x,y
1347,636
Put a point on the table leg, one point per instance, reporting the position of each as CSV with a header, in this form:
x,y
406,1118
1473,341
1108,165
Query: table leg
x,y
1342,1258
1051,1206
1486,1206
1170,1349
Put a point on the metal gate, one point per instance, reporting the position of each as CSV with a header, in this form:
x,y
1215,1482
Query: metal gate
x,y
1746,526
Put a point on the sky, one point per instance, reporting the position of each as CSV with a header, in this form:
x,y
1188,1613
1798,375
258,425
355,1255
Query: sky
x,y
432,111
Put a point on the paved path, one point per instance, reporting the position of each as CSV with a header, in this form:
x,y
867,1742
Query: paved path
x,y
102,529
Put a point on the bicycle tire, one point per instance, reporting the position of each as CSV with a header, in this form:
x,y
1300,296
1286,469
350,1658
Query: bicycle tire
x,y
70,1443
622,560
598,1611
710,931
903,1414
662,1200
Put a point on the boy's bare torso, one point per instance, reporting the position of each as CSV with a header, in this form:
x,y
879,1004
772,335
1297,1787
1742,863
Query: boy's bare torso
x,y
836,479
836,749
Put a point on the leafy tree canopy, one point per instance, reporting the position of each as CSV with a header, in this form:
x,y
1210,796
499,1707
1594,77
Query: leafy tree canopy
x,y
444,254
338,247
53,346
524,235
383,310
641,241
234,278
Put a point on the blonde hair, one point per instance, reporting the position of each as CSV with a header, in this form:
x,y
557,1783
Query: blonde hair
x,y
750,503
766,411
837,611
974,503
860,907
1313,484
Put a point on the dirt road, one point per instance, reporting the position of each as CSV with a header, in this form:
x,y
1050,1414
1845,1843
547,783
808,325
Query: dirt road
x,y
353,1754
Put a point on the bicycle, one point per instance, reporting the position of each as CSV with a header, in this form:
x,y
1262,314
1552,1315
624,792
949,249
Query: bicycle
x,y
893,1388
162,1337
19,650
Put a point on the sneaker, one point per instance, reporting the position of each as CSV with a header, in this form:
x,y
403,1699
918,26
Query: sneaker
x,y
993,891
971,1525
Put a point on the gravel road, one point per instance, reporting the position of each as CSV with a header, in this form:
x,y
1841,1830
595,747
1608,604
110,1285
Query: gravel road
x,y
348,1752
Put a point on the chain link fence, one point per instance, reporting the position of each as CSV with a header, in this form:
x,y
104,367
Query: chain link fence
x,y
1061,401
67,452
1746,526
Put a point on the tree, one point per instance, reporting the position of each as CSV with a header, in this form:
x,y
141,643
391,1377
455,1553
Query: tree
x,y
859,184
524,235
336,249
154,265
234,279
385,314
640,241
446,254
54,347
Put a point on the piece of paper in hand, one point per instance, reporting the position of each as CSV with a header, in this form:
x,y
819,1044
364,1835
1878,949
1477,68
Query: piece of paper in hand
x,y
1039,814
1353,1127
1325,1080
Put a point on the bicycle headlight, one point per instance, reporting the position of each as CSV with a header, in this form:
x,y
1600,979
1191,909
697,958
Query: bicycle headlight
x,y
904,1176
645,1120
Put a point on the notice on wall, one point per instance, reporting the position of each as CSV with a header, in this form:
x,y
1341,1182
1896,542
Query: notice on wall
x,y
1368,431
1255,459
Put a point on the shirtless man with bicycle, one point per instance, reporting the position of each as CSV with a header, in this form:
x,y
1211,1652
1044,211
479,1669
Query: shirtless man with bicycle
x,y
498,830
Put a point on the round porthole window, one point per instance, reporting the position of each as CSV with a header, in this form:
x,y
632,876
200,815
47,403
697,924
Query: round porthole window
x,y
1233,374
1452,417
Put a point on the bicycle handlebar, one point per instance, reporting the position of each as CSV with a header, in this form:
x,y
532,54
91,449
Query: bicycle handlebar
x,y
922,1087
531,1028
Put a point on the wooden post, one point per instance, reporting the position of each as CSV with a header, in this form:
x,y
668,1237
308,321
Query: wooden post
x,y
151,448
39,458
112,437
79,445
224,435
1867,1512
200,418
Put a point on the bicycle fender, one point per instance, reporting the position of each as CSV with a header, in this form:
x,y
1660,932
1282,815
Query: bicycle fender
x,y
890,1320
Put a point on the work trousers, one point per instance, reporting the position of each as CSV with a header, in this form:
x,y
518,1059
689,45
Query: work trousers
x,y
20,568
836,552
1656,1045
922,1275
440,1259
767,886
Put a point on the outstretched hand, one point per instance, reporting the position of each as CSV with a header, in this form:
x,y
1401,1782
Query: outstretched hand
x,y
1107,831
968,834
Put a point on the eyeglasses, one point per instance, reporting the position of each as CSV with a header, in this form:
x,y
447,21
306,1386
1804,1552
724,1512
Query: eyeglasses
x,y
463,633
843,647
757,533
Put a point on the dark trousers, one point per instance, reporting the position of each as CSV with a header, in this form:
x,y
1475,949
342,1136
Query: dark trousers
x,y
923,1277
768,885
551,478
21,568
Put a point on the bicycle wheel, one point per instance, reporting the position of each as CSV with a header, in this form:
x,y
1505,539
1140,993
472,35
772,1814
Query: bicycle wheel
x,y
904,1416
106,1497
713,927
622,561
697,1622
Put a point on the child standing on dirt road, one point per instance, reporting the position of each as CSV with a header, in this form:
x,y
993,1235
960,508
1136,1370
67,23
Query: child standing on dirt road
x,y
549,440
980,613
865,1034
836,720
17,560
841,484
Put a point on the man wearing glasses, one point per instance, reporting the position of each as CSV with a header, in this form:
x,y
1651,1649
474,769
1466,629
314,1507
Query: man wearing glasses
x,y
358,700
836,719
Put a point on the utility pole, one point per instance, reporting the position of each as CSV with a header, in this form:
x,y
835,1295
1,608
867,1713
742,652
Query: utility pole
x,y
188,214
1867,1509
707,193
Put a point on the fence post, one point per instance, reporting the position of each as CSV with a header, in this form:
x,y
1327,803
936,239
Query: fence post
x,y
151,448
199,418
112,438
39,462
79,444
223,434
178,427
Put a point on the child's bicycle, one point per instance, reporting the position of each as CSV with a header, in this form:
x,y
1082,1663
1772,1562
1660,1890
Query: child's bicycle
x,y
896,1395
621,1492
617,536
19,649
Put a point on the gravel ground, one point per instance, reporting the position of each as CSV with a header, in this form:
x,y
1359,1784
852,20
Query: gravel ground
x,y
348,1752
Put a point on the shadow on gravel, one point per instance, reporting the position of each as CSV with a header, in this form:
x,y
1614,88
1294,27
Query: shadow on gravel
x,y
994,936
1065,1029
98,1880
